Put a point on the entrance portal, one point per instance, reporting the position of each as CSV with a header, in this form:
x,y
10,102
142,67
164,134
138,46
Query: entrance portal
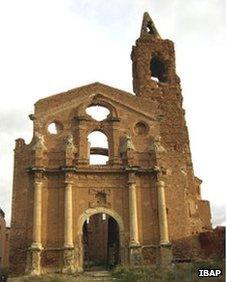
x,y
100,242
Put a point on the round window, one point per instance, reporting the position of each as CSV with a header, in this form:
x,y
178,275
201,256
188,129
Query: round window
x,y
54,128
98,113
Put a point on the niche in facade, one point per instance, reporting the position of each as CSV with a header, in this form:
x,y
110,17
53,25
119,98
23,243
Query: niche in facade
x,y
98,148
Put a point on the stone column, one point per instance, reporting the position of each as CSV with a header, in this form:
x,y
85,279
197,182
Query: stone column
x,y
133,215
165,248
69,252
135,248
163,224
33,266
68,228
37,215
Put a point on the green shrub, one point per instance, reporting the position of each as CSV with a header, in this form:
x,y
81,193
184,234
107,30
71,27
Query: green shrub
x,y
133,274
4,274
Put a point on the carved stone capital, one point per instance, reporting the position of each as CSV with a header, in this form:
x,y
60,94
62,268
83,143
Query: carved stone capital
x,y
160,184
131,178
39,176
68,178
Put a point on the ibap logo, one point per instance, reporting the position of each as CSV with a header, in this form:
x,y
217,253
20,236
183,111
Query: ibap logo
x,y
209,272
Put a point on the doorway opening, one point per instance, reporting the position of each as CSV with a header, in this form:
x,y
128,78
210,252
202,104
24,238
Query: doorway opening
x,y
100,242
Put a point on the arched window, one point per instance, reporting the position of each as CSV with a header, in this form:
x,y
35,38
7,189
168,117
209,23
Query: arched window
x,y
98,148
158,70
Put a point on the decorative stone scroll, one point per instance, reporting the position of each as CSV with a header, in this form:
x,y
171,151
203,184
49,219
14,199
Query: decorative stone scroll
x,y
20,143
39,142
156,146
70,150
127,151
39,149
127,144
100,198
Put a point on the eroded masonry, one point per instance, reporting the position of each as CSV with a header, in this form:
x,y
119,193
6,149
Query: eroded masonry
x,y
142,207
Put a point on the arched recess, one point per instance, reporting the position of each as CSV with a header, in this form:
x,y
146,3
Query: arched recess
x,y
88,213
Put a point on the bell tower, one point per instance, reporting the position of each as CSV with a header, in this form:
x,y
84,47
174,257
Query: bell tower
x,y
153,62
155,80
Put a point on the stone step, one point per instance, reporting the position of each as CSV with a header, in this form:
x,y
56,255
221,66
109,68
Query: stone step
x,y
101,273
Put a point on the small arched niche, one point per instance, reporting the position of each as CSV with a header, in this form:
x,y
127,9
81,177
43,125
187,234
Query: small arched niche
x,y
98,112
98,148
158,70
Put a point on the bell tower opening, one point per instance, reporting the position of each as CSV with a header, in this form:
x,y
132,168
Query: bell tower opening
x,y
158,70
100,242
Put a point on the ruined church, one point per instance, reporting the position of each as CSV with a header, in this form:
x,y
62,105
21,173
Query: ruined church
x,y
141,207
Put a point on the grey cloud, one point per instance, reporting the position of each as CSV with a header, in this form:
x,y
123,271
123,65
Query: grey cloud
x,y
12,121
219,215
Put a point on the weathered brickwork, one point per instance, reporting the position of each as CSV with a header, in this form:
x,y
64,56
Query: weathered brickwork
x,y
148,185
4,241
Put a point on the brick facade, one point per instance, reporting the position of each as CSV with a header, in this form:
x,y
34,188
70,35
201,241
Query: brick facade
x,y
148,185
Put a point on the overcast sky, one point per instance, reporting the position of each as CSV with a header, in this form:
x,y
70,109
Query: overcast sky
x,y
51,46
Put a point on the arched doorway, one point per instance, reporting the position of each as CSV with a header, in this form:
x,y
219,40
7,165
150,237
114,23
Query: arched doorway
x,y
101,247
112,217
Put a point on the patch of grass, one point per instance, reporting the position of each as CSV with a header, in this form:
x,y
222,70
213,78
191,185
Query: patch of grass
x,y
133,274
44,278
186,272
179,272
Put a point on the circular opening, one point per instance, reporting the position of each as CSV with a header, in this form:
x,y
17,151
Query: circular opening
x,y
98,113
54,128
141,128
